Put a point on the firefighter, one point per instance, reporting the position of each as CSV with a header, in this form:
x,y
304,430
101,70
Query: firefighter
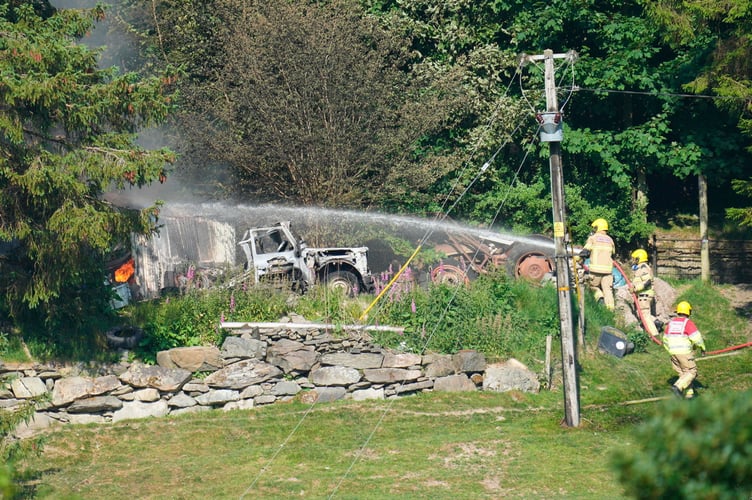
x,y
600,248
642,285
680,339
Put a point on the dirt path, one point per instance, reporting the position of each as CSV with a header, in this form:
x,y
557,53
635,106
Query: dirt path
x,y
740,297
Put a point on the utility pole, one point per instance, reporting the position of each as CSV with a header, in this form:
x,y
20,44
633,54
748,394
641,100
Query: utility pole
x,y
551,132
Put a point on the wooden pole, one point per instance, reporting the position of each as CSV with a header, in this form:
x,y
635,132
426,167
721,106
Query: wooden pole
x,y
568,351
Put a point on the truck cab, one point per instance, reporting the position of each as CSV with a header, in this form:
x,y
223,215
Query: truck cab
x,y
275,254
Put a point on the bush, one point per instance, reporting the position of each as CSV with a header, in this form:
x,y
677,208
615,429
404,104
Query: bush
x,y
495,315
193,319
11,449
695,449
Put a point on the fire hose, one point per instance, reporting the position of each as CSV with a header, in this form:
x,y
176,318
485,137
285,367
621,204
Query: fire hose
x,y
637,304
708,354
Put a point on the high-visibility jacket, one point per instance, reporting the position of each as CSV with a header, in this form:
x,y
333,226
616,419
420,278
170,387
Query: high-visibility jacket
x,y
601,248
643,280
681,336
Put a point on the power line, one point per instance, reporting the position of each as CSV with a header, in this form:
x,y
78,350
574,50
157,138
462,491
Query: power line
x,y
576,88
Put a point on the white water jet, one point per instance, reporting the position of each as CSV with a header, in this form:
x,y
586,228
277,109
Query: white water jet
x,y
204,236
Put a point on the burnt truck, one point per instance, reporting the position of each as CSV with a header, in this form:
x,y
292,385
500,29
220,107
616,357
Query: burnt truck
x,y
275,254
204,252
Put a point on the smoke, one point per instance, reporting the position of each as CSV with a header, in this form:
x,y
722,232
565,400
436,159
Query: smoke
x,y
119,49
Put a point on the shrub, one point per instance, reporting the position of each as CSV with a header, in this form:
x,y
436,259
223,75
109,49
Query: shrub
x,y
694,449
495,315
193,319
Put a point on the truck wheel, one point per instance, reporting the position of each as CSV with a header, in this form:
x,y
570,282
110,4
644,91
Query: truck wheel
x,y
344,281
450,272
529,262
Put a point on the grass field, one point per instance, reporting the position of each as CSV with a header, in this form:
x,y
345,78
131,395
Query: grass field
x,y
434,445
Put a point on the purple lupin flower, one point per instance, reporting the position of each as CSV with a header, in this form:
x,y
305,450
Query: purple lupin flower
x,y
412,306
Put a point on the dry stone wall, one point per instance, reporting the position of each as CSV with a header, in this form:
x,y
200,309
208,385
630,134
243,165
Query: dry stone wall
x,y
253,367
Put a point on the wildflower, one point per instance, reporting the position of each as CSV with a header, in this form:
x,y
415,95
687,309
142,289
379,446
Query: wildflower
x,y
232,303
191,272
412,306
222,317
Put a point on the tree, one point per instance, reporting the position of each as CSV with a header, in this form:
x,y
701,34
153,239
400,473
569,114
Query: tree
x,y
307,102
721,68
67,135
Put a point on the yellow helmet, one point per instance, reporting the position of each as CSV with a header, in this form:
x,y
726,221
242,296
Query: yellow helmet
x,y
683,307
640,256
600,225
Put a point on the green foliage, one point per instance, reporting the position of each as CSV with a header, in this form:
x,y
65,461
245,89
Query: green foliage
x,y
743,216
193,319
692,450
494,315
11,449
67,135
322,304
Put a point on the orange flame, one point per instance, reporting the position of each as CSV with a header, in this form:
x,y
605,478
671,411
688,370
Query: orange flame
x,y
124,272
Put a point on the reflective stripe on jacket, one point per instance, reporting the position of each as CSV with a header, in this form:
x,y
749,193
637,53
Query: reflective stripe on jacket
x,y
643,280
681,336
601,248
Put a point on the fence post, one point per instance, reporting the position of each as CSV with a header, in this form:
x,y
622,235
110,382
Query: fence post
x,y
654,255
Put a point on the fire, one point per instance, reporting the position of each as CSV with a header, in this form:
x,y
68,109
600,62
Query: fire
x,y
124,272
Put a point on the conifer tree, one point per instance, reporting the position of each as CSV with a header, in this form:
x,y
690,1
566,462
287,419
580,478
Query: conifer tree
x,y
67,135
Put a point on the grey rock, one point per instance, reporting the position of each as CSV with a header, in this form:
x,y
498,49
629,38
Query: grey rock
x,y
365,394
163,379
70,389
358,361
285,388
242,374
95,404
28,387
243,404
190,409
147,395
138,409
454,383
334,376
194,359
508,376
243,348
181,400
389,375
401,360
440,366
218,397
469,361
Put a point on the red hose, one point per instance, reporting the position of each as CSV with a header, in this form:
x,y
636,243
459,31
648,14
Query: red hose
x,y
732,348
642,319
637,304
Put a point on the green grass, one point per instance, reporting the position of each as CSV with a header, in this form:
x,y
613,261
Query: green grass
x,y
437,445
433,445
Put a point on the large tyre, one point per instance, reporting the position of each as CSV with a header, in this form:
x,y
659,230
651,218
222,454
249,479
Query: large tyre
x,y
529,262
450,272
343,281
